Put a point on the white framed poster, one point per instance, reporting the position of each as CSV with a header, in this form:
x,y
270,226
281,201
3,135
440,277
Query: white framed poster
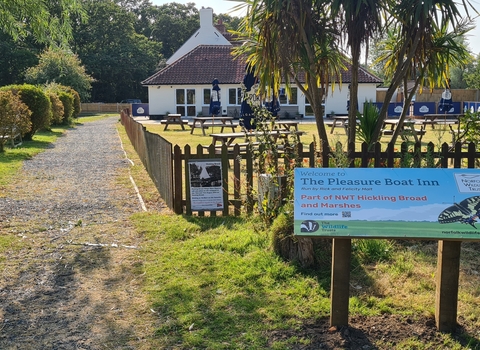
x,y
206,190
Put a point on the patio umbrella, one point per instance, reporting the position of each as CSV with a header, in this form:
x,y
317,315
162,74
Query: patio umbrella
x,y
272,105
246,112
445,102
215,105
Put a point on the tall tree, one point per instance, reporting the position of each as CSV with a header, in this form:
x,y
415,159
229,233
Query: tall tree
x,y
293,42
430,66
47,21
62,67
113,53
416,21
173,25
359,20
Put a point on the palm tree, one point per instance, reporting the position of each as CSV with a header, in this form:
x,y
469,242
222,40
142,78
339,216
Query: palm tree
x,y
292,42
444,48
416,22
359,20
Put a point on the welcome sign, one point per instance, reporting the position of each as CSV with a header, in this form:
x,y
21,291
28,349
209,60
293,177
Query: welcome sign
x,y
387,203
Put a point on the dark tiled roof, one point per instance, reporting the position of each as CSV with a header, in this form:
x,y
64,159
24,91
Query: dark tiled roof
x,y
201,66
207,62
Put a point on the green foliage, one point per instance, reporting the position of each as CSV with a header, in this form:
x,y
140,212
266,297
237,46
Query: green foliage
x,y
62,67
472,74
371,251
14,117
367,122
117,57
57,108
47,21
469,127
70,101
38,103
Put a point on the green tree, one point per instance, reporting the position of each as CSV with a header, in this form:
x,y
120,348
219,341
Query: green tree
x,y
62,67
113,53
47,21
174,24
360,20
288,40
14,117
415,24
472,74
16,57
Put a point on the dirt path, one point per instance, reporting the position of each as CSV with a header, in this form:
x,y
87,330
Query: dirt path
x,y
72,277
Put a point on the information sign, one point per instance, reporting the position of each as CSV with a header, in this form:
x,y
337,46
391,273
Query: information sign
x,y
206,191
388,203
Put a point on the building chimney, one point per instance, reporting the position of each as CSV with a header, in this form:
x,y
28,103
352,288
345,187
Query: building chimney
x,y
220,26
206,18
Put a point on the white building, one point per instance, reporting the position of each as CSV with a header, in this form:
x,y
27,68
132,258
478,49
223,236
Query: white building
x,y
184,85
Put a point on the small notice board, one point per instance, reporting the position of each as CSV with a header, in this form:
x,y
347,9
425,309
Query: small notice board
x,y
388,203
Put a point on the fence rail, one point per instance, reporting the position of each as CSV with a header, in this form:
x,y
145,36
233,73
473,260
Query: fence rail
x,y
166,164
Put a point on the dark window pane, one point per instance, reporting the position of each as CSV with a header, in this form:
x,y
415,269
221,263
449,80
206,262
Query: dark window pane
x,y
293,98
181,110
206,96
232,98
191,111
190,96
180,96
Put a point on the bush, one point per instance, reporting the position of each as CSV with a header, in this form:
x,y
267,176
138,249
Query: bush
x,y
70,99
57,108
37,102
14,117
68,108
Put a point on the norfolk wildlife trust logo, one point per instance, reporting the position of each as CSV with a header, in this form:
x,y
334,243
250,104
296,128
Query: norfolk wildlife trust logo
x,y
309,226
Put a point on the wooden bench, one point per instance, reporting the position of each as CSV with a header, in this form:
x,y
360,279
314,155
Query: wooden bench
x,y
174,119
209,122
15,139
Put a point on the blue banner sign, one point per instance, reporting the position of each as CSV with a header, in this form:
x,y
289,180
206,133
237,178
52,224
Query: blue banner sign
x,y
140,110
387,203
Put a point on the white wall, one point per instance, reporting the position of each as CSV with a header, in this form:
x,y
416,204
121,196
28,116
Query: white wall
x,y
162,98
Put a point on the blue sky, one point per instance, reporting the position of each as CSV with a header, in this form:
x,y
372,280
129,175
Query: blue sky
x,y
225,6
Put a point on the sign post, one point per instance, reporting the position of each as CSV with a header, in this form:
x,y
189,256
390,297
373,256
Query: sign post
x,y
440,204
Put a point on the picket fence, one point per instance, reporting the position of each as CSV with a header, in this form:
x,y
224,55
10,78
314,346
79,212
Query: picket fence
x,y
166,164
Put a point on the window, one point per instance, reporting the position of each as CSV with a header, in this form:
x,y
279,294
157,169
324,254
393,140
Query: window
x,y
206,96
283,98
309,109
235,96
185,101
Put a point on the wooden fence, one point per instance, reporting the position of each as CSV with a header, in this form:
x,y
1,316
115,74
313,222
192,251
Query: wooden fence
x,y
166,164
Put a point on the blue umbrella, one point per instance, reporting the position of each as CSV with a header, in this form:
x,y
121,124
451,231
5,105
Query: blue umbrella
x,y
273,105
246,112
215,105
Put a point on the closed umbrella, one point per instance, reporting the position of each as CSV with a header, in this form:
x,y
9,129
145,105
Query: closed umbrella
x,y
445,103
246,112
215,104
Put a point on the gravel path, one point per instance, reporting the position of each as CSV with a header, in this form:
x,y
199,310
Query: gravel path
x,y
71,279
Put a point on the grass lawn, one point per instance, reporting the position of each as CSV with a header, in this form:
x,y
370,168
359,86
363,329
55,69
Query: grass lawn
x,y
180,137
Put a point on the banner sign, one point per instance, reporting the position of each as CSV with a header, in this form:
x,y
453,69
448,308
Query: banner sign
x,y
387,203
206,191
140,110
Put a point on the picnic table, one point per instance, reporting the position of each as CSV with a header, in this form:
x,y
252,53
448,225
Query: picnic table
x,y
340,121
174,119
206,122
229,138
432,119
408,128
287,124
